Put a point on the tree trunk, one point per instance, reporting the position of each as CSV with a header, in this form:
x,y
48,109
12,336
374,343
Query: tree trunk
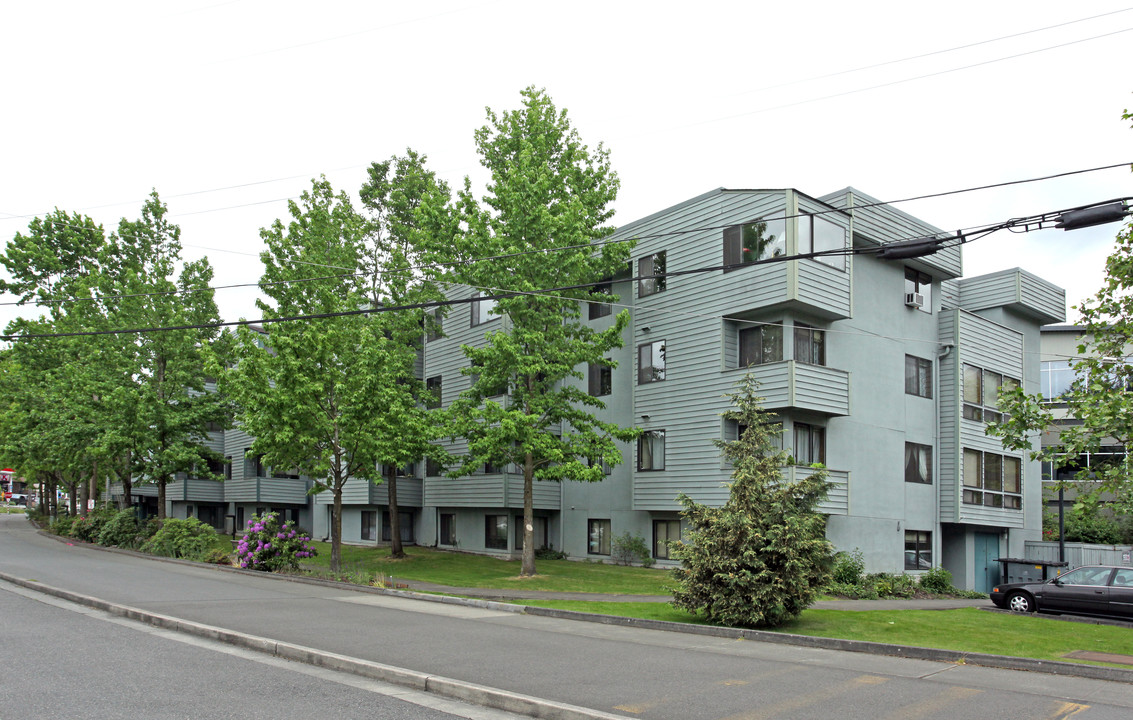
x,y
127,486
527,565
161,481
72,493
336,529
395,549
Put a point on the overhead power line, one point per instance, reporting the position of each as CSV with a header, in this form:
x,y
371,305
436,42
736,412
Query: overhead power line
x,y
599,243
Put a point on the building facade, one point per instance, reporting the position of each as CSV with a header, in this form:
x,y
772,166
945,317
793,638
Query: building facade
x,y
884,371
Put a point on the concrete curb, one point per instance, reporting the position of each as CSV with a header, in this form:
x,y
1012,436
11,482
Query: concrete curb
x,y
423,682
1053,667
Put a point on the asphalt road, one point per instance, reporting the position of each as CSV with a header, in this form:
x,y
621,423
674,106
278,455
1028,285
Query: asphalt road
x,y
620,670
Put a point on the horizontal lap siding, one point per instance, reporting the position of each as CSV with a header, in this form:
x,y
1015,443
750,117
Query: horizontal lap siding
x,y
837,500
822,389
201,491
1014,287
545,494
240,490
949,395
474,491
409,492
283,490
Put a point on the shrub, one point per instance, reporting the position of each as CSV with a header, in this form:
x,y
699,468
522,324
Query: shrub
x,y
628,549
848,567
763,557
549,553
121,529
937,580
62,525
190,539
271,547
87,527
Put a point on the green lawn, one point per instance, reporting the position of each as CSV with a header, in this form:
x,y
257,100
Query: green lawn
x,y
966,630
479,571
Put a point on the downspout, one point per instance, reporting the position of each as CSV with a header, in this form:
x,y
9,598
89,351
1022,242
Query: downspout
x,y
941,355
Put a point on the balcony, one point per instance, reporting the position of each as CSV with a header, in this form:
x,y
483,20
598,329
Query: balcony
x,y
837,501
791,385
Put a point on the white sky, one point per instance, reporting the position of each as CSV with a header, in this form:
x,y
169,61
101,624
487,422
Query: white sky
x,y
229,108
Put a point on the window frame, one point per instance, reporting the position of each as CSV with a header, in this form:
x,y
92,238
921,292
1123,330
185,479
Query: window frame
x,y
481,316
919,282
806,240
975,490
600,380
492,539
765,332
447,530
918,376
914,475
974,381
433,392
921,549
597,309
815,440
369,529
646,266
736,256
647,373
652,438
806,340
603,529
660,546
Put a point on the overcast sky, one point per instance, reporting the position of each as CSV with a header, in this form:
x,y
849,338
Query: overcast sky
x,y
230,108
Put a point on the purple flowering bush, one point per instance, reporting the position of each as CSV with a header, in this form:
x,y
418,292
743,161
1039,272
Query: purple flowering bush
x,y
269,546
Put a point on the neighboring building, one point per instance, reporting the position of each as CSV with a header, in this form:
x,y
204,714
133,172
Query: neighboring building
x,y
1059,348
884,371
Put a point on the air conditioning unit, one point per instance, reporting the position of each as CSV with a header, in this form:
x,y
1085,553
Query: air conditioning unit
x,y
914,300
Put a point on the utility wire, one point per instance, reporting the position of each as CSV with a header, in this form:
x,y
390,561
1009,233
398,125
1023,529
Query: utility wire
x,y
598,243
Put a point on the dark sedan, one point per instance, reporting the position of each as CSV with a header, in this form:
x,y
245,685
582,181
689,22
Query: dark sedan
x,y
1087,590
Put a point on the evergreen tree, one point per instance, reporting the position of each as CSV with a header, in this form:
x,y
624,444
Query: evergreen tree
x,y
763,557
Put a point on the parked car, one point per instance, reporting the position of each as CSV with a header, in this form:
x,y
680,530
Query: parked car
x,y
1088,590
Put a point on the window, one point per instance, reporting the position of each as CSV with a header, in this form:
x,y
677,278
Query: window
x,y
810,444
651,362
918,376
488,391
761,344
369,524
482,310
433,392
918,463
407,470
918,550
752,242
433,468
253,464
1055,379
919,282
665,531
290,474
1095,576
810,345
495,532
981,393
227,467
606,469
992,480
405,520
817,234
651,265
448,529
433,324
598,537
651,450
538,532
601,308
601,380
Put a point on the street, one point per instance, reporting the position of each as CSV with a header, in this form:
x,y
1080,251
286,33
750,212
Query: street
x,y
610,669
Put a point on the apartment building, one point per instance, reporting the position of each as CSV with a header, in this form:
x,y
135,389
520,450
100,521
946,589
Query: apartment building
x,y
884,371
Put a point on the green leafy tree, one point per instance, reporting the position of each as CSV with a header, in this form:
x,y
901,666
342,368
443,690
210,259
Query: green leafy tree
x,y
311,391
547,200
408,224
1099,399
763,557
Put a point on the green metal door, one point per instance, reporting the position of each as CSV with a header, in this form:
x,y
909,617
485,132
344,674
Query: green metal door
x,y
984,561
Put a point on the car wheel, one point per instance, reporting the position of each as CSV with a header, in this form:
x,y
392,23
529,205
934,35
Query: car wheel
x,y
1021,602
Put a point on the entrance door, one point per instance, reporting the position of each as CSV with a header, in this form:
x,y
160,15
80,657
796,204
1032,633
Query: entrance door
x,y
983,561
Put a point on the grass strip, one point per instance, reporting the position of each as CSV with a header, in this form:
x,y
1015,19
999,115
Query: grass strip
x,y
964,630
